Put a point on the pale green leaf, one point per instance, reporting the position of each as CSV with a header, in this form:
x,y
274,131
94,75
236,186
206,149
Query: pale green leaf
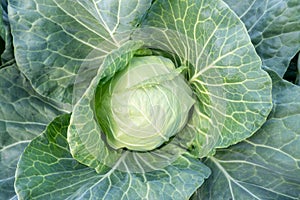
x,y
47,170
233,92
144,105
267,165
274,28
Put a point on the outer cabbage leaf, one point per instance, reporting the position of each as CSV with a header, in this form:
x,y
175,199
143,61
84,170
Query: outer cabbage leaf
x,y
47,170
7,57
23,115
298,71
2,29
267,165
233,92
274,28
52,38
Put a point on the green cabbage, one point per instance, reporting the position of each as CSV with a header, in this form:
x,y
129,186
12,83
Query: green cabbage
x,y
144,105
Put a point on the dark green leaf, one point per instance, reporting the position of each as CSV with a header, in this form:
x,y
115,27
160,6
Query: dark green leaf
x,y
7,56
53,38
274,28
23,115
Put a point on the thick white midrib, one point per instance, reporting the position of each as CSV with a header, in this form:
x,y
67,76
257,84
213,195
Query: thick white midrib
x,y
51,103
230,179
160,155
105,24
23,123
170,43
121,159
247,10
254,24
6,179
14,197
263,14
143,173
260,166
72,35
14,144
63,188
209,66
87,26
271,148
243,162
62,108
232,100
199,56
150,166
129,184
139,165
118,18
195,30
187,46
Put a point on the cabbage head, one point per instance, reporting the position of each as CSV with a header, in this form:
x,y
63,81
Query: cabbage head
x,y
144,105
149,99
